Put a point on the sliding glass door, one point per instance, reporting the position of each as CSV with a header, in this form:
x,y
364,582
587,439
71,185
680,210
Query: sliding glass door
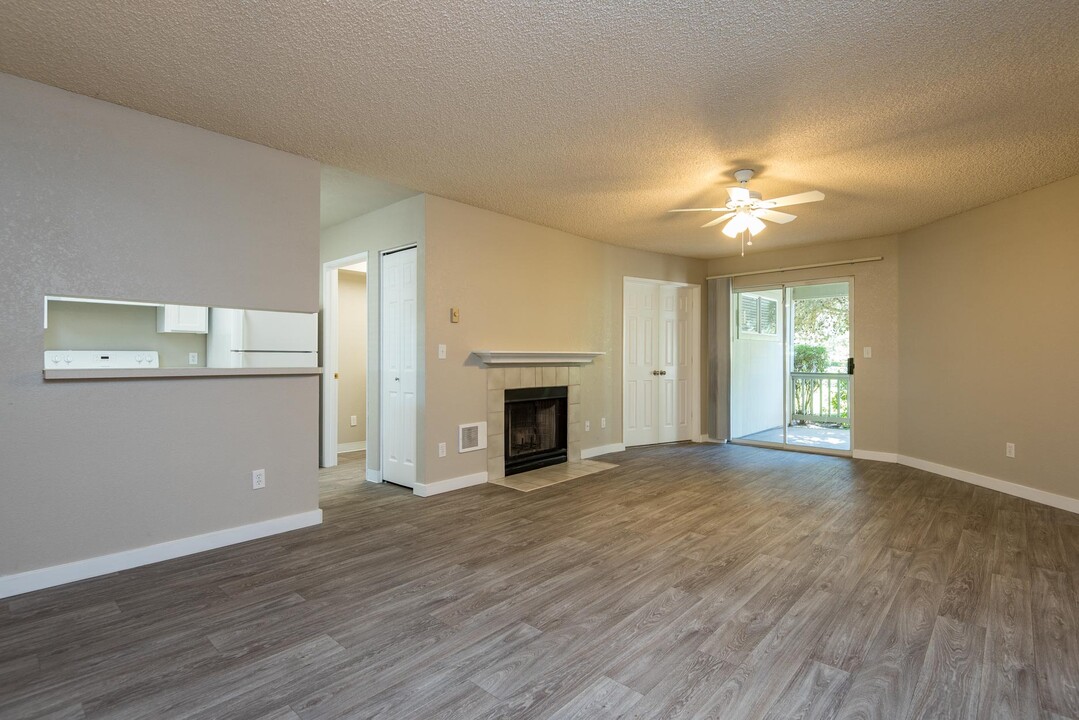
x,y
791,365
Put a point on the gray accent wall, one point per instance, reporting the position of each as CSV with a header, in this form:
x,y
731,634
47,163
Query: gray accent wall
x,y
101,201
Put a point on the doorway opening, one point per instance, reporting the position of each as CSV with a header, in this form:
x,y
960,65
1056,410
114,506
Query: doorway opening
x,y
345,362
792,372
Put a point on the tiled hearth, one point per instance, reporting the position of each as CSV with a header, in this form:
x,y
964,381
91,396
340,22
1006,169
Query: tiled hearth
x,y
500,379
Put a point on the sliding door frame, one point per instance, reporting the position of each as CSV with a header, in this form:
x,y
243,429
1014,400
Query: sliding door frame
x,y
788,351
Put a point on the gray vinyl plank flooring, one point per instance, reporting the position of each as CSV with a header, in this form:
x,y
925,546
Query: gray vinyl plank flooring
x,y
689,581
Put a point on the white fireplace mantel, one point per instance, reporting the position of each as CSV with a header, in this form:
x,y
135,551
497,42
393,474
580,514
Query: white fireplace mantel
x,y
535,357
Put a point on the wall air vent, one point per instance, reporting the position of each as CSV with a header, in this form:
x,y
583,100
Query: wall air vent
x,y
472,437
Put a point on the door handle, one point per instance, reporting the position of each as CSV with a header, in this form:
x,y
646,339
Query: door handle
x,y
397,379
850,366
655,372
662,372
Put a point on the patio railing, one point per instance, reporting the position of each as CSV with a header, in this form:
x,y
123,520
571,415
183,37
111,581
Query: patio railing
x,y
820,397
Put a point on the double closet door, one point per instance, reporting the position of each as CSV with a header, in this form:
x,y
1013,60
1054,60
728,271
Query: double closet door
x,y
658,363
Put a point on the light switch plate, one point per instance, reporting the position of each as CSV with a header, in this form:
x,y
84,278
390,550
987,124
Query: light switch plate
x,y
441,352
867,352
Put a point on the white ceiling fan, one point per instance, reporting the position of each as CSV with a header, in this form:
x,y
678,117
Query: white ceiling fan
x,y
746,209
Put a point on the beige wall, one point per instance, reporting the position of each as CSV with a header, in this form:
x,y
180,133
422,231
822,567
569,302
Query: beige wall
x,y
521,286
352,356
397,225
99,326
989,336
101,201
876,321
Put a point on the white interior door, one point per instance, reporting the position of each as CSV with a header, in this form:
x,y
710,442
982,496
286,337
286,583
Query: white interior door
x,y
398,367
640,359
658,363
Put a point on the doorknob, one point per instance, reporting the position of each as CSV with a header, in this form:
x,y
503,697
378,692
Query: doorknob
x,y
655,372
662,372
397,379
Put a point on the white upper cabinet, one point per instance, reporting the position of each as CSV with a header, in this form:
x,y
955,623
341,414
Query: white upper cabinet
x,y
181,319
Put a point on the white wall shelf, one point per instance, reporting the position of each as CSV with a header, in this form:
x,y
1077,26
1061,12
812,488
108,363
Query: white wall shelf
x,y
536,357
160,373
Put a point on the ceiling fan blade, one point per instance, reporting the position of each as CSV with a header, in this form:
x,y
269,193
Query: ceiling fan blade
x,y
806,197
754,225
773,216
698,209
718,220
738,193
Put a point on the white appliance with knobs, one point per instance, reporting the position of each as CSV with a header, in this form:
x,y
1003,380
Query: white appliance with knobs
x,y
89,359
261,339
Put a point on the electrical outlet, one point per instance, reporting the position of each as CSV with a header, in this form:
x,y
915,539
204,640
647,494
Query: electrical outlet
x,y
587,425
442,449
352,420
602,423
192,358
441,352
1009,449
258,479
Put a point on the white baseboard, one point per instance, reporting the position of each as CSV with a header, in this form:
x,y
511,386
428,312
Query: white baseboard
x,y
875,455
1009,488
105,564
374,475
352,446
443,486
602,450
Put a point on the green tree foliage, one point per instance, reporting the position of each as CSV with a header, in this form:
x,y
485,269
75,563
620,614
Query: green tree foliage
x,y
823,322
810,358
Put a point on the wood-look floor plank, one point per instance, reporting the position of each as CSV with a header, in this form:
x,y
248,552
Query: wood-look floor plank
x,y
1009,688
764,674
602,699
966,591
1056,641
932,560
859,614
950,676
884,684
814,693
689,581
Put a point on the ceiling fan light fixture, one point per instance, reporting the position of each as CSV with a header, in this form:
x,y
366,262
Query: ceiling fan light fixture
x,y
737,224
747,209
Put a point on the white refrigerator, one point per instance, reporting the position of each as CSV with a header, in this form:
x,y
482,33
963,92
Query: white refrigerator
x,y
261,339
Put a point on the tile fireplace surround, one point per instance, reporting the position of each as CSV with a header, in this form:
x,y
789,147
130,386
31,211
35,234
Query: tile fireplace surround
x,y
511,378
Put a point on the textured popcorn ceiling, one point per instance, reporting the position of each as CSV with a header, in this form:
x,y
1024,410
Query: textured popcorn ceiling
x,y
595,117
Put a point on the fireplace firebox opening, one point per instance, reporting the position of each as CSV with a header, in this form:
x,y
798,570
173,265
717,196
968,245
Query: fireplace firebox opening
x,y
535,433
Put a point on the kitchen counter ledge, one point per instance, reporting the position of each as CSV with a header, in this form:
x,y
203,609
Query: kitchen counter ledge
x,y
159,373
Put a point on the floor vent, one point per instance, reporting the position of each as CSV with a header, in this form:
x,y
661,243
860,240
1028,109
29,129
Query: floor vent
x,y
472,437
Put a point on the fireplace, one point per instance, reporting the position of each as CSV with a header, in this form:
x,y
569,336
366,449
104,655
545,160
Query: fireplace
x,y
535,433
